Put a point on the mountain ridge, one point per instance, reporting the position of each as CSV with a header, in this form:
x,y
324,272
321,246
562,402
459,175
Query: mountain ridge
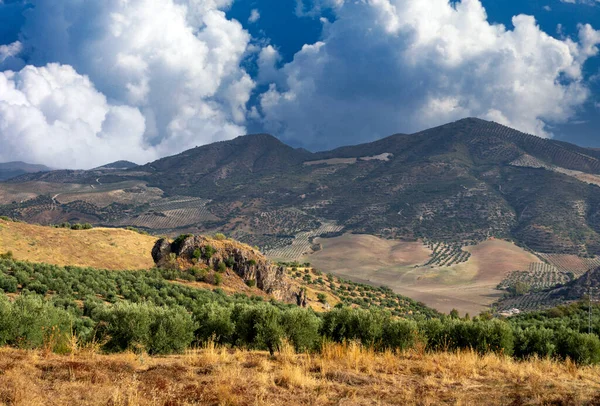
x,y
461,182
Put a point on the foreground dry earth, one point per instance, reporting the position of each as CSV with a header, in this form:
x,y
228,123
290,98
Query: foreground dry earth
x,y
342,375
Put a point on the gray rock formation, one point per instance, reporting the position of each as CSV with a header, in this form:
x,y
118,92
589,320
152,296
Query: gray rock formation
x,y
248,263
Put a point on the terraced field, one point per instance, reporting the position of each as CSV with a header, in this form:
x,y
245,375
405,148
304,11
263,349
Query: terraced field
x,y
301,245
538,276
571,263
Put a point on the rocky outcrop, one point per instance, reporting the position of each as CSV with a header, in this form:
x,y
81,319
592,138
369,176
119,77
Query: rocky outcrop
x,y
247,262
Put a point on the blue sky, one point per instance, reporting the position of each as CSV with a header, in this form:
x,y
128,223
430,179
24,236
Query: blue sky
x,y
84,83
280,25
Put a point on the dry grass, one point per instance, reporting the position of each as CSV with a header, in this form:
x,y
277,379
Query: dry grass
x,y
341,375
104,248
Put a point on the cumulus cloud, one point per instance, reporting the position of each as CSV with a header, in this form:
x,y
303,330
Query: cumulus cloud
x,y
56,116
385,66
175,62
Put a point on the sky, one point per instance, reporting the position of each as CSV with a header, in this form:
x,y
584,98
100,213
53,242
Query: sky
x,y
84,83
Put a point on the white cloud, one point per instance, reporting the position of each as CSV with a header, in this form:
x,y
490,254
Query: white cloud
x,y
385,66
9,56
175,61
586,2
254,16
54,116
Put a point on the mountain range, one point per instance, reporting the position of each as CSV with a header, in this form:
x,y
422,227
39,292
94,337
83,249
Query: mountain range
x,y
462,182
10,170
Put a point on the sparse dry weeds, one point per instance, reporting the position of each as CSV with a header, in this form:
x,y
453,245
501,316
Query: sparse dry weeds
x,y
341,375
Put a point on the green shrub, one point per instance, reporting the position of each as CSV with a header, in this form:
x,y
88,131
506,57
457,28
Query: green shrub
x,y
230,262
8,283
214,323
400,334
582,348
221,267
220,237
301,328
7,255
209,251
251,283
144,327
217,279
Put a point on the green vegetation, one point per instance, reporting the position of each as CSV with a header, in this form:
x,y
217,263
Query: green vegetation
x,y
144,311
76,226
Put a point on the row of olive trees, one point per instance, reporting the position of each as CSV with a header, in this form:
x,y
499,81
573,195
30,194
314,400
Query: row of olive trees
x,y
32,322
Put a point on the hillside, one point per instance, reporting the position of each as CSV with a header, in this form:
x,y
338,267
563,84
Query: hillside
x,y
100,247
570,292
448,188
460,182
10,170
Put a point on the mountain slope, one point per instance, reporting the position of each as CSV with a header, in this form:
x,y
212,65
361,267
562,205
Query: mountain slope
x,y
462,182
10,170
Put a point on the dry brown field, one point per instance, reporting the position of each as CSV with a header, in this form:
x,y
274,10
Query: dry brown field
x,y
339,375
104,248
470,287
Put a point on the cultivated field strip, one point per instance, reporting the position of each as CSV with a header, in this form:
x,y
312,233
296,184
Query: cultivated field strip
x,y
446,254
170,218
571,263
532,301
301,244
179,202
173,213
538,276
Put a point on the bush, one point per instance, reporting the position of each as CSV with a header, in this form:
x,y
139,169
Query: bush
x,y
301,328
251,283
220,237
400,334
582,348
230,262
321,297
221,267
144,327
258,327
209,251
217,279
31,322
534,341
214,323
8,283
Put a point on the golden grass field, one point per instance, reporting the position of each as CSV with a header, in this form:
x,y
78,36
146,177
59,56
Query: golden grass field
x,y
104,248
339,375
468,287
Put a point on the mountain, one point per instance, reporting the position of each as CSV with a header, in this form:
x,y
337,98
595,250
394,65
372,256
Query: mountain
x,y
460,183
10,170
118,165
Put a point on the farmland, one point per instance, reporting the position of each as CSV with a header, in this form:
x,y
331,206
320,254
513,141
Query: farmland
x,y
571,263
302,243
468,286
538,276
